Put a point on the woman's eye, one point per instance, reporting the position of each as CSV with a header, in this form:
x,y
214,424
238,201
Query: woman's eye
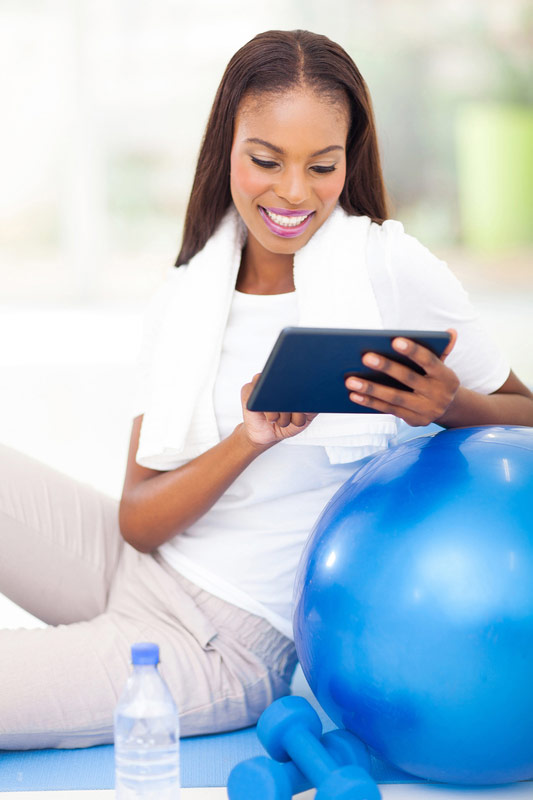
x,y
265,164
321,170
271,164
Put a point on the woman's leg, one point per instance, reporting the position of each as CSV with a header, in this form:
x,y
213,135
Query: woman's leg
x,y
59,685
222,664
59,541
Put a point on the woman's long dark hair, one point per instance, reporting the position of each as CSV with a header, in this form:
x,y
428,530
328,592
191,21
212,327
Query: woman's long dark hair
x,y
277,61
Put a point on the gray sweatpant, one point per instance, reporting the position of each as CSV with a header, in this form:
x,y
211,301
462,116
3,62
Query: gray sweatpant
x,y
62,558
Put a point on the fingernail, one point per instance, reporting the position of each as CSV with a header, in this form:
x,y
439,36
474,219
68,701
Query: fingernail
x,y
372,360
354,384
357,397
401,344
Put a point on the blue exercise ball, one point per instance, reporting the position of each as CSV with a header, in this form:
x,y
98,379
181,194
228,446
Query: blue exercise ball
x,y
414,605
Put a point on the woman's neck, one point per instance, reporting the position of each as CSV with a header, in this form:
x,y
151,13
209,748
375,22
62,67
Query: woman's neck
x,y
265,273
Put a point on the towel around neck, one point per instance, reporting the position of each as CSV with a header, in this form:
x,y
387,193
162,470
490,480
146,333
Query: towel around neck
x,y
333,289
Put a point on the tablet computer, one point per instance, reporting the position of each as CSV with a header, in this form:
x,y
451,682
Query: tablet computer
x,y
307,367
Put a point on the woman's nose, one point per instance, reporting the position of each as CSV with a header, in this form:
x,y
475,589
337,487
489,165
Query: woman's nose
x,y
292,187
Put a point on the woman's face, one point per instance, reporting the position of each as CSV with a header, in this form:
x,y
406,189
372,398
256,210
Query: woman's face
x,y
288,166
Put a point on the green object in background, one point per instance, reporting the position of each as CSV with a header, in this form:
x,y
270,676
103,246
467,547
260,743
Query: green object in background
x,y
495,175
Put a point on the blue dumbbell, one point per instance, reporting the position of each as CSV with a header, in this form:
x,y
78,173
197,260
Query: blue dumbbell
x,y
263,778
290,731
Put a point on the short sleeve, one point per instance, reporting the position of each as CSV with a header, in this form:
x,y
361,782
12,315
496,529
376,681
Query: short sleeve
x,y
416,290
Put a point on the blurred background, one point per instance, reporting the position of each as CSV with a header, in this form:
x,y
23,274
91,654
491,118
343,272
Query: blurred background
x,y
104,103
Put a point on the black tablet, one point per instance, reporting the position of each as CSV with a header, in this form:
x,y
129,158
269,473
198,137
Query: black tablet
x,y
307,367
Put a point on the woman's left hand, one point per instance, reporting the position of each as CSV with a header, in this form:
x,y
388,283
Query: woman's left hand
x,y
432,393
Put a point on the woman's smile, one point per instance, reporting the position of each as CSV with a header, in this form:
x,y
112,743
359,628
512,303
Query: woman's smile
x,y
288,167
284,222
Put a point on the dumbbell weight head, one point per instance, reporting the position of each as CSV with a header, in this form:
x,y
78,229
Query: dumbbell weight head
x,y
348,783
280,718
262,778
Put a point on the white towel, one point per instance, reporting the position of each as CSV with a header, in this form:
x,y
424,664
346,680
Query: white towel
x,y
333,289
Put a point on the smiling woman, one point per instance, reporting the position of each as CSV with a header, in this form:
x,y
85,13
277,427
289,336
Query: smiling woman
x,y
286,225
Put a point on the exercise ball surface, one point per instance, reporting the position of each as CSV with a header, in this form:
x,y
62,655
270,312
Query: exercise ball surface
x,y
414,605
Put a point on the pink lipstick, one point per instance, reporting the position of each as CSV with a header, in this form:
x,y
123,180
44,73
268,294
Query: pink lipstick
x,y
285,222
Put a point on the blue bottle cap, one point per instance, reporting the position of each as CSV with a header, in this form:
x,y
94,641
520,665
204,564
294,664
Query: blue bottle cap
x,y
145,653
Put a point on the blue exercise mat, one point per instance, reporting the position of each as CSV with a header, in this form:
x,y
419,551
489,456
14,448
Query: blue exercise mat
x,y
205,761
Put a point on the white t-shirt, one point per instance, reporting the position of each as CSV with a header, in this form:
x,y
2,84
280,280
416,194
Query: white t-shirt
x,y
246,548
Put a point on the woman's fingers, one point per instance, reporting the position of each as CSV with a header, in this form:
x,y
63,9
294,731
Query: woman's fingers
x,y
286,418
281,419
382,398
451,344
269,427
425,398
409,377
410,407
421,355
417,353
428,361
410,416
246,390
298,419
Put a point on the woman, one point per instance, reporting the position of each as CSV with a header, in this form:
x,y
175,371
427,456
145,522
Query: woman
x,y
286,225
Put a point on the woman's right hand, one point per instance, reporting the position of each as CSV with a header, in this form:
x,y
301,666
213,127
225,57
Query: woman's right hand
x,y
269,427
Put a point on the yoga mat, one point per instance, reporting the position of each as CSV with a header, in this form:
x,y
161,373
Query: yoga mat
x,y
205,761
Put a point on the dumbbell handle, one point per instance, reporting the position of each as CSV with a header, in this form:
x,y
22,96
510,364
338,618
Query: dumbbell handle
x,y
298,781
309,755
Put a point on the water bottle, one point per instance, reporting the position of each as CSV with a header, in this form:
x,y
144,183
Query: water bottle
x,y
147,733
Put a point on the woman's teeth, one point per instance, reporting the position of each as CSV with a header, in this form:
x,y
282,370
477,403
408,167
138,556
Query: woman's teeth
x,y
286,222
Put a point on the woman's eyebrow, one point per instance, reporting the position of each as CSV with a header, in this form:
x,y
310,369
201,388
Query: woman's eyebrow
x,y
327,150
255,140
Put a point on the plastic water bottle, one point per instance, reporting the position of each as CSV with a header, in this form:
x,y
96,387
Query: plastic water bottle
x,y
147,733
